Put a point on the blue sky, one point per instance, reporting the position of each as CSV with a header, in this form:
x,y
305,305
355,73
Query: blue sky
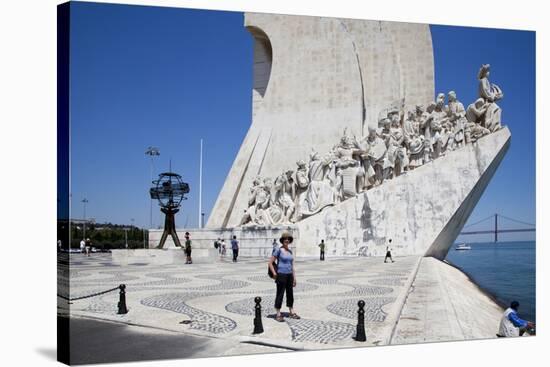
x,y
168,77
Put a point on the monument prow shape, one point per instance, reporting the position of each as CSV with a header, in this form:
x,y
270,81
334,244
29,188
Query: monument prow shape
x,y
316,78
422,211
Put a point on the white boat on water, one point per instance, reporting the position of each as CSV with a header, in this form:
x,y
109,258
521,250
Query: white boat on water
x,y
462,246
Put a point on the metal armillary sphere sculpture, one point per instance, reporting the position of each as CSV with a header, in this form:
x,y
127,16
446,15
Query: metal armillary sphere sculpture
x,y
169,190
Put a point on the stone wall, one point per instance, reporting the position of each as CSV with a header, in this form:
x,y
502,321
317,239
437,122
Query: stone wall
x,y
253,241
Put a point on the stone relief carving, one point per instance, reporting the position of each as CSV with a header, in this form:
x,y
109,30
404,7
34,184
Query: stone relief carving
x,y
404,141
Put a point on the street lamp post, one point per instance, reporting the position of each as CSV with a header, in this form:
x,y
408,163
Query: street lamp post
x,y
132,227
152,152
126,236
84,201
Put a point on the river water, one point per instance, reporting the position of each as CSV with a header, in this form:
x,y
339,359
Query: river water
x,y
507,270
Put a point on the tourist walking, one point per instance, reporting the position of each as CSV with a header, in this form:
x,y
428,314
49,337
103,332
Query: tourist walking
x,y
218,246
322,250
188,249
224,249
83,246
511,324
235,248
388,253
285,276
275,246
88,246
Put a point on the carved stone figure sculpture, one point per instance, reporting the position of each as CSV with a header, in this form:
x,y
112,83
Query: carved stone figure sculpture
x,y
285,190
438,127
353,165
410,127
396,156
347,168
376,154
254,200
490,94
475,116
319,193
416,151
457,118
271,214
302,183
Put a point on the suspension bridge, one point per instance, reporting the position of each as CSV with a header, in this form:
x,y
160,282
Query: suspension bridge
x,y
496,229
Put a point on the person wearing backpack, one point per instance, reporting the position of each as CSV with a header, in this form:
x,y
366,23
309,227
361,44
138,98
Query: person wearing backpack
x,y
284,275
218,246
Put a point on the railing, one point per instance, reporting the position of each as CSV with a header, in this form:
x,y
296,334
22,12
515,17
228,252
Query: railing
x,y
122,309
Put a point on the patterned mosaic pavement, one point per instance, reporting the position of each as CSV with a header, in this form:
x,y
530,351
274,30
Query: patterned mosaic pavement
x,y
217,299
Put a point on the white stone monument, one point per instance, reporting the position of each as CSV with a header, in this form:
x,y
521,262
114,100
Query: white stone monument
x,y
386,160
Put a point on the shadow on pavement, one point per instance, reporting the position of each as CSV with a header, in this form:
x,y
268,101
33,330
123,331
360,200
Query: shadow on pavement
x,y
94,341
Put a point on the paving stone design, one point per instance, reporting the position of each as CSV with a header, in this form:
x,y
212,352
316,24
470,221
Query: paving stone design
x,y
373,308
399,282
363,290
302,287
323,281
246,306
117,276
165,279
224,284
261,278
200,320
339,283
320,331
102,306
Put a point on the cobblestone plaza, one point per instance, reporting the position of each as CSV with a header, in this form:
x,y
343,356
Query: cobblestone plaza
x,y
217,299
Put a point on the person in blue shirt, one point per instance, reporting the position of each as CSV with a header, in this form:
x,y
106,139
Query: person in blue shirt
x,y
285,276
511,324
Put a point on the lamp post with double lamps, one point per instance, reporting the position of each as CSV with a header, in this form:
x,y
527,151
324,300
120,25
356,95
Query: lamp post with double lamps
x,y
152,152
84,201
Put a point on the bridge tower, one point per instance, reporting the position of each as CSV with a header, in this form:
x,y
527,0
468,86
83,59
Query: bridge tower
x,y
496,227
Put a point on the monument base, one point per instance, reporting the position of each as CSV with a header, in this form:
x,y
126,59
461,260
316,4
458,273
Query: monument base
x,y
172,256
254,241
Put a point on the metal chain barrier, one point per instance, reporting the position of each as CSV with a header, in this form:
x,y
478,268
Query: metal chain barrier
x,y
122,309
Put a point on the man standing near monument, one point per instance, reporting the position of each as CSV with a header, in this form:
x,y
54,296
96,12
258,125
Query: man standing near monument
x,y
88,246
275,246
388,253
189,260
322,250
235,248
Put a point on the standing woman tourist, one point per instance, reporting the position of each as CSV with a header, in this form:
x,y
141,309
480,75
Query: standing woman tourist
x,y
285,276
188,249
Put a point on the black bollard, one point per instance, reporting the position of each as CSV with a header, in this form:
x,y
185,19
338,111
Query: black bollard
x,y
122,301
360,336
258,327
